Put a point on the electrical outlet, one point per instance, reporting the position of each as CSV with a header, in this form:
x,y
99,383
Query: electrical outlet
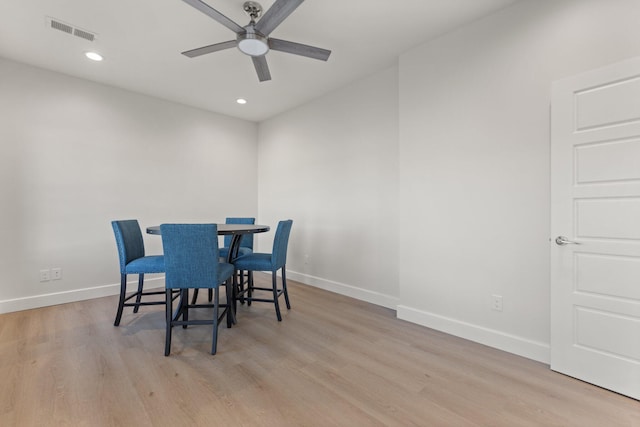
x,y
45,275
496,302
56,273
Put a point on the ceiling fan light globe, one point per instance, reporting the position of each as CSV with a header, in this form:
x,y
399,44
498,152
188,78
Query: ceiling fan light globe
x,y
253,45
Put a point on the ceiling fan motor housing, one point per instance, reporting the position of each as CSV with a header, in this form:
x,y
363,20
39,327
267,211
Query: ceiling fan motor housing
x,y
252,43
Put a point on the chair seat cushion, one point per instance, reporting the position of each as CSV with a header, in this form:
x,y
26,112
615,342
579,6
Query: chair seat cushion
x,y
254,262
146,264
224,252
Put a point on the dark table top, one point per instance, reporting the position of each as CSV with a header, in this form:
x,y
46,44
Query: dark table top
x,y
225,229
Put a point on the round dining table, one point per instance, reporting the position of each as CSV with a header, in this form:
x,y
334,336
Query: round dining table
x,y
235,230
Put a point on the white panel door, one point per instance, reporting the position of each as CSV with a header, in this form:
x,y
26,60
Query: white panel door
x,y
595,207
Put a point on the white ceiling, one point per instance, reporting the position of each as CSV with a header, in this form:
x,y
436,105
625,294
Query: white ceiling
x,y
141,41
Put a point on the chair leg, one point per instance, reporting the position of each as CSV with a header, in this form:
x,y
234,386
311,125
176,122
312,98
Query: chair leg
x,y
236,296
241,285
274,283
195,296
185,308
123,291
216,304
139,294
249,286
210,294
169,320
284,288
231,301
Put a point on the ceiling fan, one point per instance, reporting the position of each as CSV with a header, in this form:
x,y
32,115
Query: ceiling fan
x,y
253,39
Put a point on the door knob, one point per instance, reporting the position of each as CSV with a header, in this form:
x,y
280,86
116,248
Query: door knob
x,y
562,241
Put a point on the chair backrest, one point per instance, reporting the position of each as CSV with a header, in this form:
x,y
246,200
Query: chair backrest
x,y
190,255
247,239
280,243
129,241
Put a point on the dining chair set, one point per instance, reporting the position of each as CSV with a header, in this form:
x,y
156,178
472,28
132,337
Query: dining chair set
x,y
192,260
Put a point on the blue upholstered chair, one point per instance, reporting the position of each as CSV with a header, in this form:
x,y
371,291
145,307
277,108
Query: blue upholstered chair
x,y
191,258
272,262
133,261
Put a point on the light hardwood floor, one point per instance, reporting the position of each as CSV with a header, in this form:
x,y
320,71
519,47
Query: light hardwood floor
x,y
332,361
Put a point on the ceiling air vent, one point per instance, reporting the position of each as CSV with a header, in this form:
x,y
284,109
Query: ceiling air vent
x,y
57,24
61,26
84,34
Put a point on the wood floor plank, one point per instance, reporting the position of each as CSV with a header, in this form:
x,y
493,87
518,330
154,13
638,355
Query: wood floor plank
x,y
332,361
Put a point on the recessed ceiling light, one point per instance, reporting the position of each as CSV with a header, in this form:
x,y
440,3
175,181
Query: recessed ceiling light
x,y
93,56
241,101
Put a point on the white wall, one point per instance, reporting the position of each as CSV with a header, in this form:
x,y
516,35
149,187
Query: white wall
x,y
331,166
474,164
75,155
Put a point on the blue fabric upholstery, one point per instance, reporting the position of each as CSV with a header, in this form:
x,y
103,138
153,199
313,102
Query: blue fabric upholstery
x,y
129,241
192,257
254,262
272,262
131,249
246,242
192,261
147,264
132,259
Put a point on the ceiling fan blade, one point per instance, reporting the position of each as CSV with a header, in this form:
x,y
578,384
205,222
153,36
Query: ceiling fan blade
x,y
211,12
260,62
277,13
299,49
210,48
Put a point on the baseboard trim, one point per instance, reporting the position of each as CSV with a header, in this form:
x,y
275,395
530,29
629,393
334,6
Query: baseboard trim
x,y
511,343
55,298
343,289
530,349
